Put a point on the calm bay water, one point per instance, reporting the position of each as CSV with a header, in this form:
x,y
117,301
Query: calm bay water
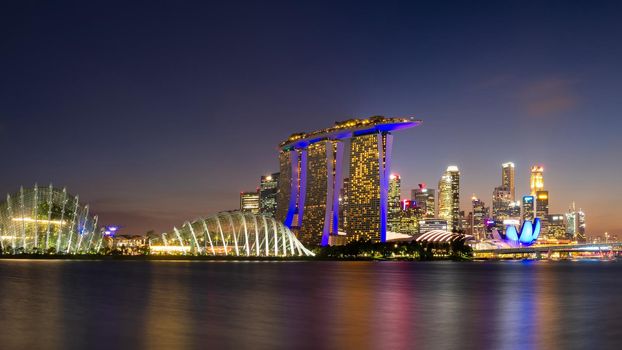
x,y
309,305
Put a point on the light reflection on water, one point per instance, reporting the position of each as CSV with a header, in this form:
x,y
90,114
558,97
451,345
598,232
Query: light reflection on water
x,y
333,305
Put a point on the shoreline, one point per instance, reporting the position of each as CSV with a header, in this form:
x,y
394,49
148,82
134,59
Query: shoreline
x,y
203,258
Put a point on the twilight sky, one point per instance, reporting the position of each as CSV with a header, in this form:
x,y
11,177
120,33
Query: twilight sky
x,y
160,111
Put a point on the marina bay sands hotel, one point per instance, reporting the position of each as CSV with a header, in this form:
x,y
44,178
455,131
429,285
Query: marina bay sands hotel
x,y
312,179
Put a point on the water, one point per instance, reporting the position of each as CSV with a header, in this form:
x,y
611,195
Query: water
x,y
309,305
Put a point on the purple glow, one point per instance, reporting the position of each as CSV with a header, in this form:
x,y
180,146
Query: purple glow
x,y
384,165
303,185
293,188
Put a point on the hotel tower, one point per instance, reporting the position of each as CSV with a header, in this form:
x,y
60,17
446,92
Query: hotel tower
x,y
312,171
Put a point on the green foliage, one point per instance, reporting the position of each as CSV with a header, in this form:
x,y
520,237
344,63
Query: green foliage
x,y
396,250
57,211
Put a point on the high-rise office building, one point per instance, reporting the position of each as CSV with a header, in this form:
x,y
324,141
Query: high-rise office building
x,y
425,200
575,224
529,208
449,198
537,179
557,226
514,210
394,207
501,200
478,217
268,188
507,179
249,202
542,204
311,178
409,218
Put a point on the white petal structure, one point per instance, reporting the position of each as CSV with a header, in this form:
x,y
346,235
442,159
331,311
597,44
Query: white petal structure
x,y
232,233
440,236
47,220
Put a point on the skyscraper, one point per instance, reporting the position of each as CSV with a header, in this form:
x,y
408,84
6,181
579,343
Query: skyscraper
x,y
249,201
529,208
542,204
289,187
409,217
425,200
507,179
268,188
394,207
321,182
557,226
537,179
478,217
449,198
365,215
501,200
575,224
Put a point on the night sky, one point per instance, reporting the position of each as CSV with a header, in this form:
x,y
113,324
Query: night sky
x,y
157,112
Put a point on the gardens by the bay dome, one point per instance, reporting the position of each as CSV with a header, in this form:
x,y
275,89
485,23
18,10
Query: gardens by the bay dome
x,y
231,234
47,220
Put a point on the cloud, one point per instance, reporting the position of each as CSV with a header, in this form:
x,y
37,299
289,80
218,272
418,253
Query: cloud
x,y
548,97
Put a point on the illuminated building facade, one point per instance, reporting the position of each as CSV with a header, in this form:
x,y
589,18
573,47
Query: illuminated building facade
x,y
312,171
47,220
322,193
528,208
478,218
288,186
557,225
542,209
268,188
367,220
501,200
249,202
449,198
426,225
394,206
425,199
409,217
507,179
575,224
343,205
537,179
514,210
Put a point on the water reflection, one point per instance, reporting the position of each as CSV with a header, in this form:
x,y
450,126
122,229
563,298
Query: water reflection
x,y
334,305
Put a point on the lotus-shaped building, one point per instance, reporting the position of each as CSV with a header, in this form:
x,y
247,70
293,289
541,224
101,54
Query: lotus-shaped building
x,y
231,234
527,235
47,220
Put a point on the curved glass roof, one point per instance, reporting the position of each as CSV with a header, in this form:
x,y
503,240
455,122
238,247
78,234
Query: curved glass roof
x,y
231,234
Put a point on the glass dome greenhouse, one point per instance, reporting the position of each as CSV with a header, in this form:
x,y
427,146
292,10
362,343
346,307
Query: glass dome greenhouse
x,y
231,233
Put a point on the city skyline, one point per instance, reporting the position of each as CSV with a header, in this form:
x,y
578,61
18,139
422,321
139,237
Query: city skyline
x,y
152,125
